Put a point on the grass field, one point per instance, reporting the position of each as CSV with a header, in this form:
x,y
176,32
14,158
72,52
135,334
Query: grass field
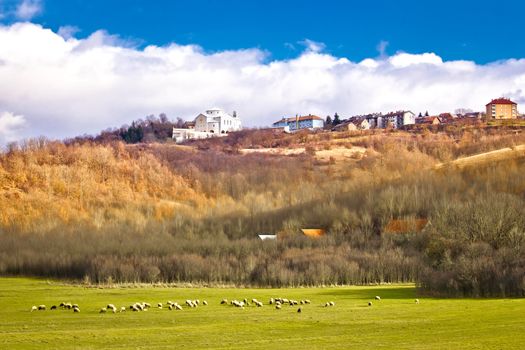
x,y
395,322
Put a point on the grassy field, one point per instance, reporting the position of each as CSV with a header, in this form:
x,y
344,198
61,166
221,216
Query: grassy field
x,y
395,322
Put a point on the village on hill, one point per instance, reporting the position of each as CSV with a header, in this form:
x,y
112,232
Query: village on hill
x,y
215,122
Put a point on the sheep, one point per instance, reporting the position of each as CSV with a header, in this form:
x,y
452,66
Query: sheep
x,y
417,301
197,302
332,303
123,309
285,301
170,307
205,303
159,305
254,300
111,306
369,303
189,303
41,307
103,310
378,297
145,305
68,306
34,308
54,307
278,306
299,310
327,304
272,300
307,301
259,304
224,301
62,305
76,309
178,307
135,308
75,306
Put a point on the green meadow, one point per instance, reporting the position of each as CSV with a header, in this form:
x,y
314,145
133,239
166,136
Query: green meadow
x,y
394,322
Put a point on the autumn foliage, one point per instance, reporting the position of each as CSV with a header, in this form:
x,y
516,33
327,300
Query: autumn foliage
x,y
107,211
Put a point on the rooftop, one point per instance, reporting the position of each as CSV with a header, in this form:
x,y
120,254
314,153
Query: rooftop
x,y
501,101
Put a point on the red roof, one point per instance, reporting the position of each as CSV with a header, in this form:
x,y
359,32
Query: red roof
x,y
501,101
306,117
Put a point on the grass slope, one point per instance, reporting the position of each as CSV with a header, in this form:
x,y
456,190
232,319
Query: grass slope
x,y
395,322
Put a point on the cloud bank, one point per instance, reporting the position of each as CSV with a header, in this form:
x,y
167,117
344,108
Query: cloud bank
x,y
66,86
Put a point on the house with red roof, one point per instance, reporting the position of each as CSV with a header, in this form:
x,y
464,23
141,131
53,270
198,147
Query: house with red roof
x,y
300,122
502,108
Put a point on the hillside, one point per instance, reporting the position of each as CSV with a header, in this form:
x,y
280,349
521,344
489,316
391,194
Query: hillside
x,y
103,211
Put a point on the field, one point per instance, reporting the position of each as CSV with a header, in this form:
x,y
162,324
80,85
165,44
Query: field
x,y
395,322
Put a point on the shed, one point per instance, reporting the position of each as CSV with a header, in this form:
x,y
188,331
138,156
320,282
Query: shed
x,y
313,232
265,237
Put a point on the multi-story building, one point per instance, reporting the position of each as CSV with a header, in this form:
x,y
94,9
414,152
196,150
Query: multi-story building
x,y
394,120
216,121
297,123
502,108
213,122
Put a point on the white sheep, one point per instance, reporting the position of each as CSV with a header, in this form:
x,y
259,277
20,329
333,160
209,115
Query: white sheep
x,y
76,309
103,310
204,302
307,301
378,297
417,301
41,307
272,300
278,306
34,308
178,307
123,309
369,303
159,305
332,303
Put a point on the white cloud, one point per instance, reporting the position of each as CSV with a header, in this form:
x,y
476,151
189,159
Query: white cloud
x,y
313,46
10,126
71,87
28,9
67,32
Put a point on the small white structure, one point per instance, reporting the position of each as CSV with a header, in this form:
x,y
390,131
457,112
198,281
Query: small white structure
x,y
216,121
267,237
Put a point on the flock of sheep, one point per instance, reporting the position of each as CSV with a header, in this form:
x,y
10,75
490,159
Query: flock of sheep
x,y
64,306
143,306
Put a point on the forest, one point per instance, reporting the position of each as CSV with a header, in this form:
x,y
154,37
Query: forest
x,y
99,210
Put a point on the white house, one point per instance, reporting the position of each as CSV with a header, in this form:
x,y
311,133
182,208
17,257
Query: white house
x,y
213,122
217,121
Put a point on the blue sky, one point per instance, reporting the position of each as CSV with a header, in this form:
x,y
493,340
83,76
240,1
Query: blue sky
x,y
481,31
77,67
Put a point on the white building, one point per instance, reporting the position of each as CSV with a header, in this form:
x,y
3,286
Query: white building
x,y
213,122
216,121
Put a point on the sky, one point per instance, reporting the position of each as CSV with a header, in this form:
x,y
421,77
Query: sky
x,y
76,67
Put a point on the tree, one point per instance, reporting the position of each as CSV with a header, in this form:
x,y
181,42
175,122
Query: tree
x,y
328,120
420,115
426,114
337,120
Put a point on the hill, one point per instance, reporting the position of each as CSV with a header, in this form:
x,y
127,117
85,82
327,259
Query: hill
x,y
100,211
